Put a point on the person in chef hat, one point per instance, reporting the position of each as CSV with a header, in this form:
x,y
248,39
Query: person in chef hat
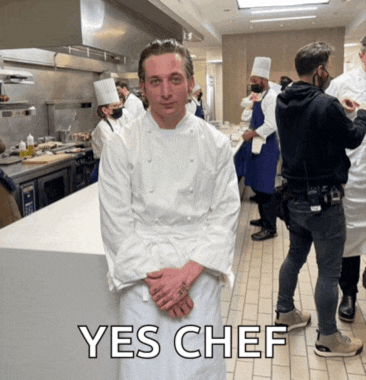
x,y
349,88
262,149
113,118
196,105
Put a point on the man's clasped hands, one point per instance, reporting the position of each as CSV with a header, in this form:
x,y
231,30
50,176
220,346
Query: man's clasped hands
x,y
169,288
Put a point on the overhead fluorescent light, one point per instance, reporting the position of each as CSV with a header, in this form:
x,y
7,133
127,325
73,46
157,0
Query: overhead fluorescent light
x,y
215,61
282,19
284,10
242,4
349,45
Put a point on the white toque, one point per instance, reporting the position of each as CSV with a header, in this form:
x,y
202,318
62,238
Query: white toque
x,y
261,67
196,88
106,92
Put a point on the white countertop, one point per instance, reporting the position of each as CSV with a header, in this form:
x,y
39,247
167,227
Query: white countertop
x,y
71,224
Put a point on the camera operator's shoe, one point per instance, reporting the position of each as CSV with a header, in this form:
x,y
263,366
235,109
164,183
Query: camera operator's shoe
x,y
263,235
293,319
256,222
347,308
337,344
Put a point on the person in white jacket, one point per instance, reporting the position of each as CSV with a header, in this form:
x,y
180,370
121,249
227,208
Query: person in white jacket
x,y
169,204
350,89
132,103
113,118
262,150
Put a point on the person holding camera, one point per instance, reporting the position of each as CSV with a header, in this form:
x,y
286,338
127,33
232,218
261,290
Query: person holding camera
x,y
314,133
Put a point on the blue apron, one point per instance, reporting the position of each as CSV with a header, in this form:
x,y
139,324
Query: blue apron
x,y
260,170
199,111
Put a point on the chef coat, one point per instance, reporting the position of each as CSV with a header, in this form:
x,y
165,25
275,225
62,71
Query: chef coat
x,y
167,197
352,84
103,131
134,105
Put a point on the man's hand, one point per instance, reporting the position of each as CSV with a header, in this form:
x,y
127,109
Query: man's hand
x,y
248,135
170,286
182,308
349,105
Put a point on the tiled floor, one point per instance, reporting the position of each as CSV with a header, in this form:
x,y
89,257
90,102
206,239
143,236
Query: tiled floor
x,y
252,302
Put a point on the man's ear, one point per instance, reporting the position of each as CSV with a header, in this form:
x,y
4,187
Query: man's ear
x,y
143,88
190,85
105,111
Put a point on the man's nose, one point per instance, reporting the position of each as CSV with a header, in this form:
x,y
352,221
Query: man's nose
x,y
166,89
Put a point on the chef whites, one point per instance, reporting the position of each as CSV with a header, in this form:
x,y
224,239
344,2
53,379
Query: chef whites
x,y
106,93
352,85
149,224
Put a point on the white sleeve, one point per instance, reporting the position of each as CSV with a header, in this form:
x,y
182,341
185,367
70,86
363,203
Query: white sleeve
x,y
100,135
245,102
216,244
127,254
268,108
247,115
191,107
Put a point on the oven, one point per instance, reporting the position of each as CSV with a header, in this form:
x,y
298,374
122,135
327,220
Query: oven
x,y
53,187
40,192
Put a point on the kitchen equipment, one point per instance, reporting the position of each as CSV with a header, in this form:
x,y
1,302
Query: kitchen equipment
x,y
47,159
28,197
11,109
10,160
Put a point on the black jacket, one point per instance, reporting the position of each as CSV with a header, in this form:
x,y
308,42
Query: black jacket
x,y
314,132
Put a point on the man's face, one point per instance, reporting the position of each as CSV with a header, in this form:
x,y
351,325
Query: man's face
x,y
108,111
363,60
166,85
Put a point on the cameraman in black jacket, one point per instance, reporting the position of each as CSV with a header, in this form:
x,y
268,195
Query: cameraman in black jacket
x,y
314,132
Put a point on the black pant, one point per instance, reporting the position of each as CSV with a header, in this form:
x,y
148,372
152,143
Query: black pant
x,y
350,275
267,210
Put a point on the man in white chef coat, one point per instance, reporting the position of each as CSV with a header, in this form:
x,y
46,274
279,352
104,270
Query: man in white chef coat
x,y
169,205
350,89
132,103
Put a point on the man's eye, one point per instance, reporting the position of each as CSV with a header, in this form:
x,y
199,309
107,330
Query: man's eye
x,y
176,80
154,81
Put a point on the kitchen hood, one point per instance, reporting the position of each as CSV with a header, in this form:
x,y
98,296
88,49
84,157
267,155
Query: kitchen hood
x,y
108,29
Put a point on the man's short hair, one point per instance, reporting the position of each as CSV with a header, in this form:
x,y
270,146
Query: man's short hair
x,y
159,47
363,45
311,56
122,85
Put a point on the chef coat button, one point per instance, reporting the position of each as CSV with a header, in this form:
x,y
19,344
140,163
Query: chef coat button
x,y
192,159
149,131
191,130
189,218
151,191
191,189
149,160
157,220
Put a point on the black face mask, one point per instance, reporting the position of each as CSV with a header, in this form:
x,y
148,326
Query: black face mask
x,y
199,97
257,88
117,113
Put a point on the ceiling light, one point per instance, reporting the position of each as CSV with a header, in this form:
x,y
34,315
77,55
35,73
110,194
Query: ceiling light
x,y
282,19
349,45
277,3
284,10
